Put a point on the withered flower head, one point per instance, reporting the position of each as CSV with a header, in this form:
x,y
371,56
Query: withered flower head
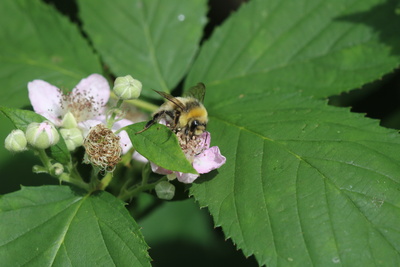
x,y
103,148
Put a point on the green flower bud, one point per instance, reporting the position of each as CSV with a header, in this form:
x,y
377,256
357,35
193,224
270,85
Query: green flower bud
x,y
69,121
73,138
15,141
165,190
57,169
127,88
42,135
171,176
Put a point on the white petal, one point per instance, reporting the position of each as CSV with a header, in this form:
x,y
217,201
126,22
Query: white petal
x,y
157,169
86,125
46,100
95,86
125,142
186,178
137,156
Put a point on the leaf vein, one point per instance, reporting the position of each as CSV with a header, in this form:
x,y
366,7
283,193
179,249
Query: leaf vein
x,y
299,216
61,240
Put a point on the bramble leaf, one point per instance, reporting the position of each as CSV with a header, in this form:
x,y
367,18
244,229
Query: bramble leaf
x,y
60,226
154,41
304,183
159,145
39,43
310,46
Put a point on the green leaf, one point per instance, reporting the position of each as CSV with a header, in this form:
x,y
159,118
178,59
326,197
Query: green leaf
x,y
22,118
37,42
154,41
321,49
61,226
159,145
304,183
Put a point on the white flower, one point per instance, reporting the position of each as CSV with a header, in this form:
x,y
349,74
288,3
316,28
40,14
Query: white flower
x,y
85,102
84,107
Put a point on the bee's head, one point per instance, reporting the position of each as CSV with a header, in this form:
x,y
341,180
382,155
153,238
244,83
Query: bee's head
x,y
197,127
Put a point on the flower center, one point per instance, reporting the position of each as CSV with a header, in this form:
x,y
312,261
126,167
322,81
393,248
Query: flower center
x,y
191,146
82,105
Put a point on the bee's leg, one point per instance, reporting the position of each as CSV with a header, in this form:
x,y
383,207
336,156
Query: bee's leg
x,y
155,119
176,119
147,126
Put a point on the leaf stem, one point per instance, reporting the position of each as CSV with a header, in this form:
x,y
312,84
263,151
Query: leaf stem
x,y
105,181
139,103
44,158
73,177
111,120
142,104
135,190
68,178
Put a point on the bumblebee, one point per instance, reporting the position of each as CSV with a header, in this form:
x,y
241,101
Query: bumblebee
x,y
183,114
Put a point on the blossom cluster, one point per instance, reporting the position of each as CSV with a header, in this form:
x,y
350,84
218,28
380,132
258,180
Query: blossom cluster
x,y
82,117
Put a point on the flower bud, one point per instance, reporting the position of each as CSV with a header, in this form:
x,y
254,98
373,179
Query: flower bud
x,y
73,138
57,169
42,135
15,141
171,176
127,88
69,121
165,190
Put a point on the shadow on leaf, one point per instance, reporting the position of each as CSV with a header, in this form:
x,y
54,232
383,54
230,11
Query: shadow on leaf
x,y
383,20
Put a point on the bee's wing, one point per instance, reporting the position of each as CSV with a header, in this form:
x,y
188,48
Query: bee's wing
x,y
197,92
172,99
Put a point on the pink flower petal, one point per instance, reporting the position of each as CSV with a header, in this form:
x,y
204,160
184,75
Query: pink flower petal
x,y
95,86
186,178
121,123
125,142
208,160
206,137
157,169
45,99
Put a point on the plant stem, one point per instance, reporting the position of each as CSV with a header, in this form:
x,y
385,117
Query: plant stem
x,y
44,159
131,193
105,181
111,120
48,168
67,178
143,105
94,181
139,103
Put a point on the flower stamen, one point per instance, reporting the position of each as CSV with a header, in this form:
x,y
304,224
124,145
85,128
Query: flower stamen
x,y
103,148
